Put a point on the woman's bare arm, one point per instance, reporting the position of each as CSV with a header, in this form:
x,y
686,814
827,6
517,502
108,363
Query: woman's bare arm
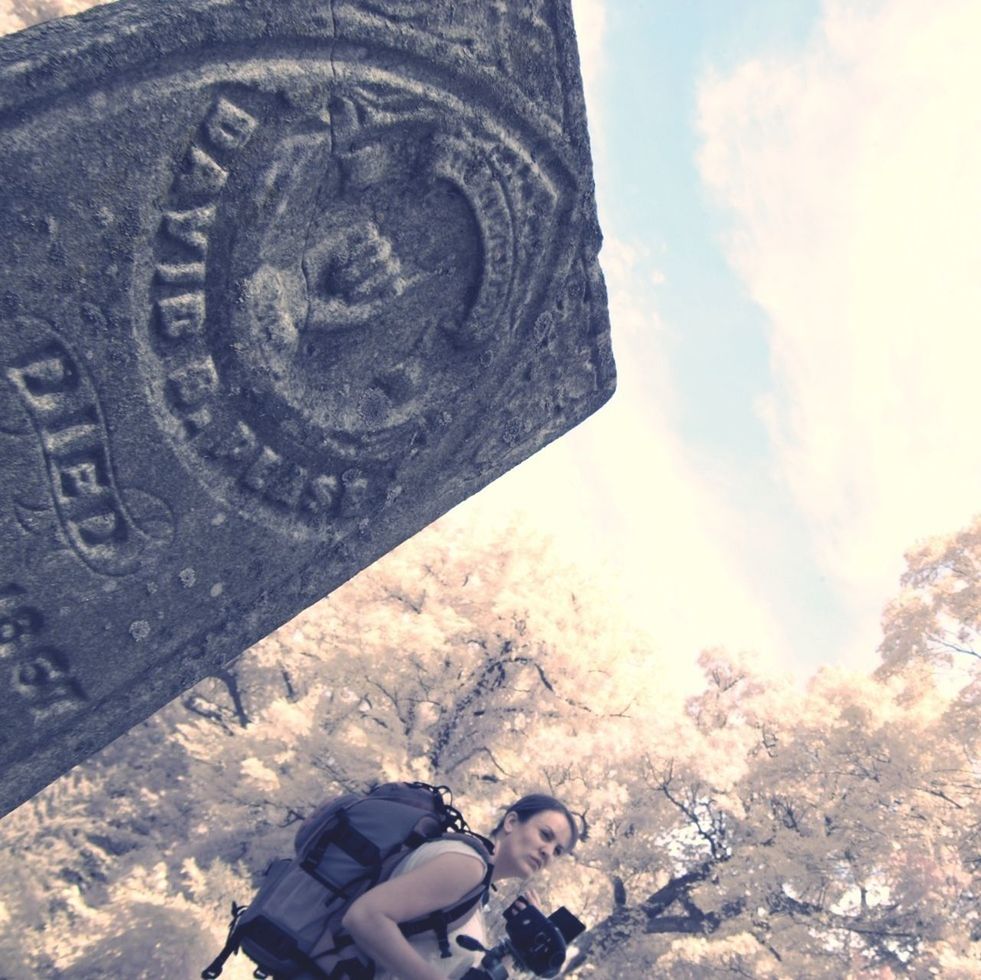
x,y
372,920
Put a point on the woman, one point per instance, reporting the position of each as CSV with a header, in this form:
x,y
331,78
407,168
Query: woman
x,y
533,832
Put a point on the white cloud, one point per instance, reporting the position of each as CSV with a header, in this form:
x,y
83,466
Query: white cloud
x,y
624,500
590,20
620,494
850,173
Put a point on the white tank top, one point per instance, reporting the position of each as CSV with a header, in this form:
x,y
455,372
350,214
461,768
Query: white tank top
x,y
426,943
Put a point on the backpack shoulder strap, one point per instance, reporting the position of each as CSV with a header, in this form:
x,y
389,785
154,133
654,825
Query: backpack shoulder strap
x,y
440,920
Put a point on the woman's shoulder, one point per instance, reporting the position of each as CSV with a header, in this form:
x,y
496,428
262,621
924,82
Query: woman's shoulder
x,y
434,849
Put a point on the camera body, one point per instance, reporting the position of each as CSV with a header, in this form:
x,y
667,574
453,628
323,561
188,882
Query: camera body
x,y
535,941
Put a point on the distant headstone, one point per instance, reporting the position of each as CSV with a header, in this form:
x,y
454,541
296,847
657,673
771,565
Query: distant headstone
x,y
281,281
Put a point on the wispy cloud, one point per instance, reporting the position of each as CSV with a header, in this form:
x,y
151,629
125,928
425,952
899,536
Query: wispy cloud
x,y
621,495
590,19
626,501
849,173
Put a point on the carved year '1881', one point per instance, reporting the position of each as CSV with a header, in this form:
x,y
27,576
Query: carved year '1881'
x,y
38,672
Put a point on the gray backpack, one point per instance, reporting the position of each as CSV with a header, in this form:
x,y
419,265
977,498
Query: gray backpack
x,y
354,842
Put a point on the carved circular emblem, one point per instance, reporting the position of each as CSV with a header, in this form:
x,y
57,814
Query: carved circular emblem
x,y
331,283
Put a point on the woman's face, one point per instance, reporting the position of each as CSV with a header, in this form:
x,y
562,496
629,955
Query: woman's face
x,y
526,848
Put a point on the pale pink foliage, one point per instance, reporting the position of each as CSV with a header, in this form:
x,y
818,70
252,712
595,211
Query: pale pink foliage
x,y
756,829
15,15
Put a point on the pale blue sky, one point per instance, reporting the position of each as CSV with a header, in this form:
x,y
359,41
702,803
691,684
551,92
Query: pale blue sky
x,y
650,191
783,190
789,192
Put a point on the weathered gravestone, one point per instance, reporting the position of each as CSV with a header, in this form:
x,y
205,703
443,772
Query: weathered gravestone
x,y
282,281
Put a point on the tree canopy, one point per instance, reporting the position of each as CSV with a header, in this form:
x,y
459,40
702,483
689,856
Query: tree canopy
x,y
754,828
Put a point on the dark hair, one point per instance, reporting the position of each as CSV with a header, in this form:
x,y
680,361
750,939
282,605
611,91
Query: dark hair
x,y
528,806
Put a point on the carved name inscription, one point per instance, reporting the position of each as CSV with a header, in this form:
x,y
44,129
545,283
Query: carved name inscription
x,y
180,312
392,245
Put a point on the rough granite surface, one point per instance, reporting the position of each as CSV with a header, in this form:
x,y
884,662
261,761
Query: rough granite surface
x,y
281,282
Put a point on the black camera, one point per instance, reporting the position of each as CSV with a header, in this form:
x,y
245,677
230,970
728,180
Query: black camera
x,y
536,942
